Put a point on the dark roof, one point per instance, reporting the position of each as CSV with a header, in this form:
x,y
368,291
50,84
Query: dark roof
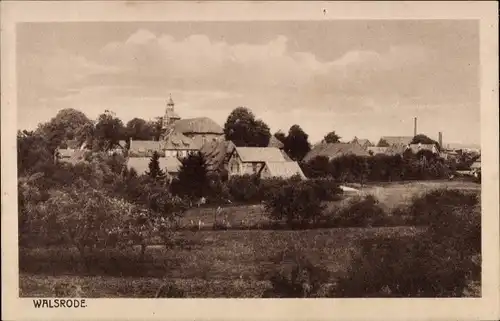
x,y
178,141
216,152
334,150
397,140
198,125
260,154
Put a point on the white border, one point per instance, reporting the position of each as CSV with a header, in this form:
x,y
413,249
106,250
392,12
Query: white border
x,y
485,308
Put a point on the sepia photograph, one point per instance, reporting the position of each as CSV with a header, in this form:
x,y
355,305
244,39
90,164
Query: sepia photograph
x,y
249,158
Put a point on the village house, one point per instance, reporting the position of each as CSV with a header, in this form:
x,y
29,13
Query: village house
x,y
266,161
335,150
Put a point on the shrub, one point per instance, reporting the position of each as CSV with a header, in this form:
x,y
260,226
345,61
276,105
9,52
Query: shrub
x,y
440,262
295,276
325,188
297,203
244,189
360,212
434,206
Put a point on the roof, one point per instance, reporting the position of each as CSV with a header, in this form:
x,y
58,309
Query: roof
x,y
178,141
275,142
215,153
144,148
397,140
198,125
415,148
393,150
334,150
260,154
65,152
362,141
284,169
141,164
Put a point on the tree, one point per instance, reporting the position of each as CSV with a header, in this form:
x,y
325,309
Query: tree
x,y
109,130
332,137
156,127
155,171
63,127
193,179
33,151
296,143
383,143
423,139
139,129
243,129
280,136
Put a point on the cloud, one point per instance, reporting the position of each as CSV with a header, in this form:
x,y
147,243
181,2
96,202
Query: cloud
x,y
210,77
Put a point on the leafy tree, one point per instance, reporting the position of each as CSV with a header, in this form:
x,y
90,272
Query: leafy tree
x,y
332,137
280,136
193,179
423,139
109,130
33,151
156,127
296,143
155,171
64,126
317,167
243,129
139,129
383,143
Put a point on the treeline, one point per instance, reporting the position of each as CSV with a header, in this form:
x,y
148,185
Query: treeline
x,y
379,168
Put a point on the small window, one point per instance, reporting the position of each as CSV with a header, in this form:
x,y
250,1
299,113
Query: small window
x,y
254,167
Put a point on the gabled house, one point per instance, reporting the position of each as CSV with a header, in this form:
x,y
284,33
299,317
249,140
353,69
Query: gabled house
x,y
251,160
335,150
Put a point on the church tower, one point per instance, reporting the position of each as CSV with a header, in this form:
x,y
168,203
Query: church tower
x,y
169,118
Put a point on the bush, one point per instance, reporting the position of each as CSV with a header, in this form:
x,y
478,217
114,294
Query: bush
x,y
433,206
244,189
440,262
359,212
297,203
295,276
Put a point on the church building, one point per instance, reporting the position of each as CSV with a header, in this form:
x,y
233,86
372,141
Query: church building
x,y
179,136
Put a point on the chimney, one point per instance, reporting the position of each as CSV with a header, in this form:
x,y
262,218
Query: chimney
x,y
440,139
415,127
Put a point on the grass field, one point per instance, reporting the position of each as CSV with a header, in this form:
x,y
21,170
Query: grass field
x,y
210,263
203,263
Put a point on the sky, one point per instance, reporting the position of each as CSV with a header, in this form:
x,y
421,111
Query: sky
x,y
364,78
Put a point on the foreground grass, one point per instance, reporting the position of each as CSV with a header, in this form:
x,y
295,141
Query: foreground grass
x,y
203,264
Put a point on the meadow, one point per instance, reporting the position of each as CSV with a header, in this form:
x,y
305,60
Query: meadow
x,y
214,263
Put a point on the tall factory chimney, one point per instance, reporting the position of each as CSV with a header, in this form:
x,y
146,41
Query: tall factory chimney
x,y
440,139
415,127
